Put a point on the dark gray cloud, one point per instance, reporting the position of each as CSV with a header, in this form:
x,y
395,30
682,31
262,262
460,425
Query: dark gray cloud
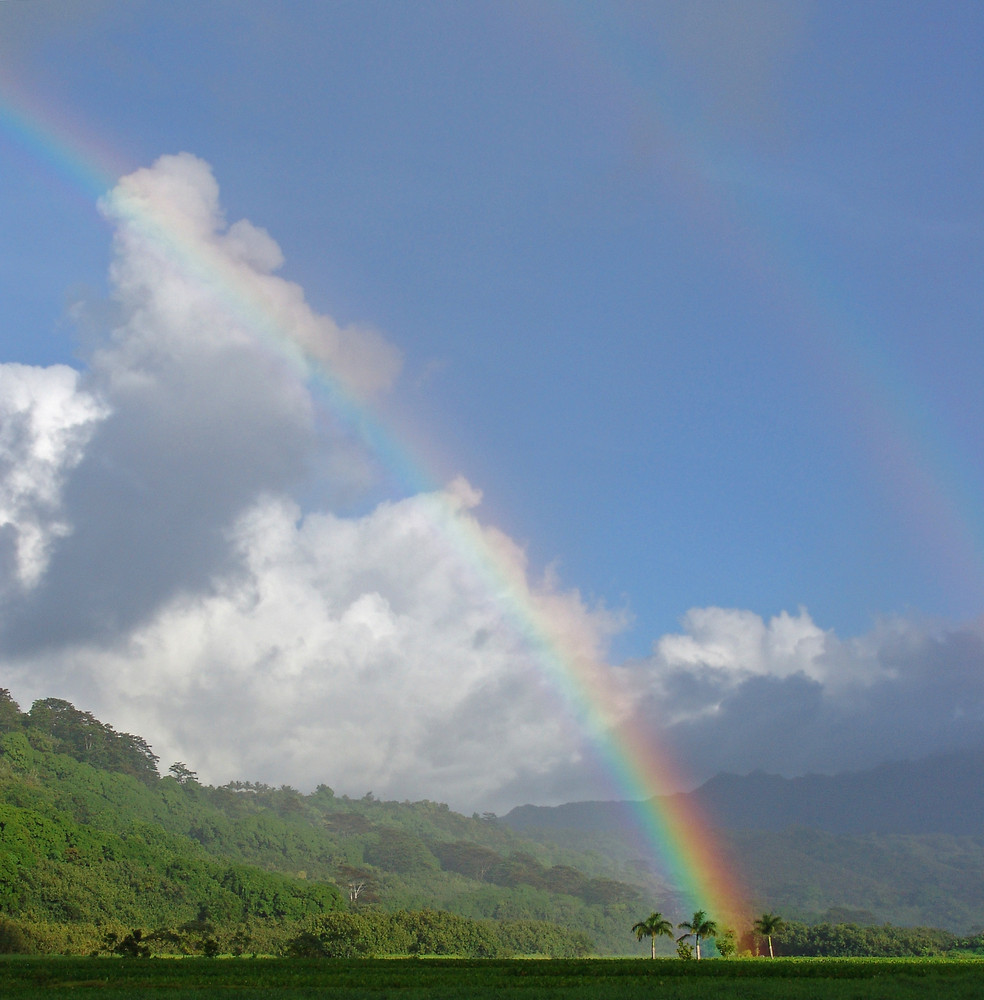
x,y
727,696
200,416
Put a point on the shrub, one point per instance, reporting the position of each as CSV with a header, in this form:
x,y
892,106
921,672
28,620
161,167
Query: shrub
x,y
13,941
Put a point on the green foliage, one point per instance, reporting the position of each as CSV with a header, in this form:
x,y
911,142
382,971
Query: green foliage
x,y
437,932
398,850
11,717
181,773
813,875
522,869
13,940
935,879
541,937
727,943
91,843
467,858
853,941
15,749
82,843
767,925
340,935
85,738
131,945
429,932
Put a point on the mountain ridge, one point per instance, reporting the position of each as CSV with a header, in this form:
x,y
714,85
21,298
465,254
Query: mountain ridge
x,y
930,795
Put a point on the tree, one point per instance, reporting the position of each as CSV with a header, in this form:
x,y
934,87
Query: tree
x,y
11,717
727,943
767,925
130,946
359,882
654,926
183,774
700,927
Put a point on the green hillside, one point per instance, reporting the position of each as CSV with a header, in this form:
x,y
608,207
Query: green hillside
x,y
935,880
90,834
809,874
95,844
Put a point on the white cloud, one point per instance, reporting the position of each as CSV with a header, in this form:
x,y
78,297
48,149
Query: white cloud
x,y
364,652
196,603
190,284
45,423
205,373
168,580
741,642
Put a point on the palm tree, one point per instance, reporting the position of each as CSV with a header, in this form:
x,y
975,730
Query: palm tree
x,y
700,927
654,926
767,925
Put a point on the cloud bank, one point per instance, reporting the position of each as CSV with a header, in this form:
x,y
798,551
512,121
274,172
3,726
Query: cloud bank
x,y
735,692
160,570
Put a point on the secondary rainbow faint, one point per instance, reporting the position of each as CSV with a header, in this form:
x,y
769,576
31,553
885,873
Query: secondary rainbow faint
x,y
925,464
681,842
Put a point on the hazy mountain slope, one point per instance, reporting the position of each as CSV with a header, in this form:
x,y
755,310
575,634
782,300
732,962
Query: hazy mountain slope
x,y
933,880
939,794
901,842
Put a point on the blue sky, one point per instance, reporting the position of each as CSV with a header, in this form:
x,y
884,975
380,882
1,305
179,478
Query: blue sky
x,y
691,292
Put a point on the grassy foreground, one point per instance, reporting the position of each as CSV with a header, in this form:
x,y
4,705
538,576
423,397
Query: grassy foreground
x,y
31,978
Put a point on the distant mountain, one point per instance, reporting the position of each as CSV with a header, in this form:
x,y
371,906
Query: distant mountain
x,y
939,794
900,842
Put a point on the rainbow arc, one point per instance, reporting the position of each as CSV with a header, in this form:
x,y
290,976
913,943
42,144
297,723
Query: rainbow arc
x,y
680,840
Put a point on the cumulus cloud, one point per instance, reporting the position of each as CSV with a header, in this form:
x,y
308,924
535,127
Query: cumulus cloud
x,y
363,652
182,272
45,423
172,583
204,378
160,571
735,692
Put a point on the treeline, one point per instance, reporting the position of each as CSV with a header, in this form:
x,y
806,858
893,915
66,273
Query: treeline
x,y
432,932
367,934
850,940
486,865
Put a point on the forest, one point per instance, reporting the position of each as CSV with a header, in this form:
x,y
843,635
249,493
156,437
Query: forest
x,y
96,843
101,854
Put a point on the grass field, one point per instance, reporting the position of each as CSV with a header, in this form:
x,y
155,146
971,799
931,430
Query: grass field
x,y
31,978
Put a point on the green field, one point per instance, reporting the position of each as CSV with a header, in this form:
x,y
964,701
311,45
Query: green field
x,y
31,978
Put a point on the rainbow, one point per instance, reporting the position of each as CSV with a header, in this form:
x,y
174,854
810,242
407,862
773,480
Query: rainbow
x,y
678,837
